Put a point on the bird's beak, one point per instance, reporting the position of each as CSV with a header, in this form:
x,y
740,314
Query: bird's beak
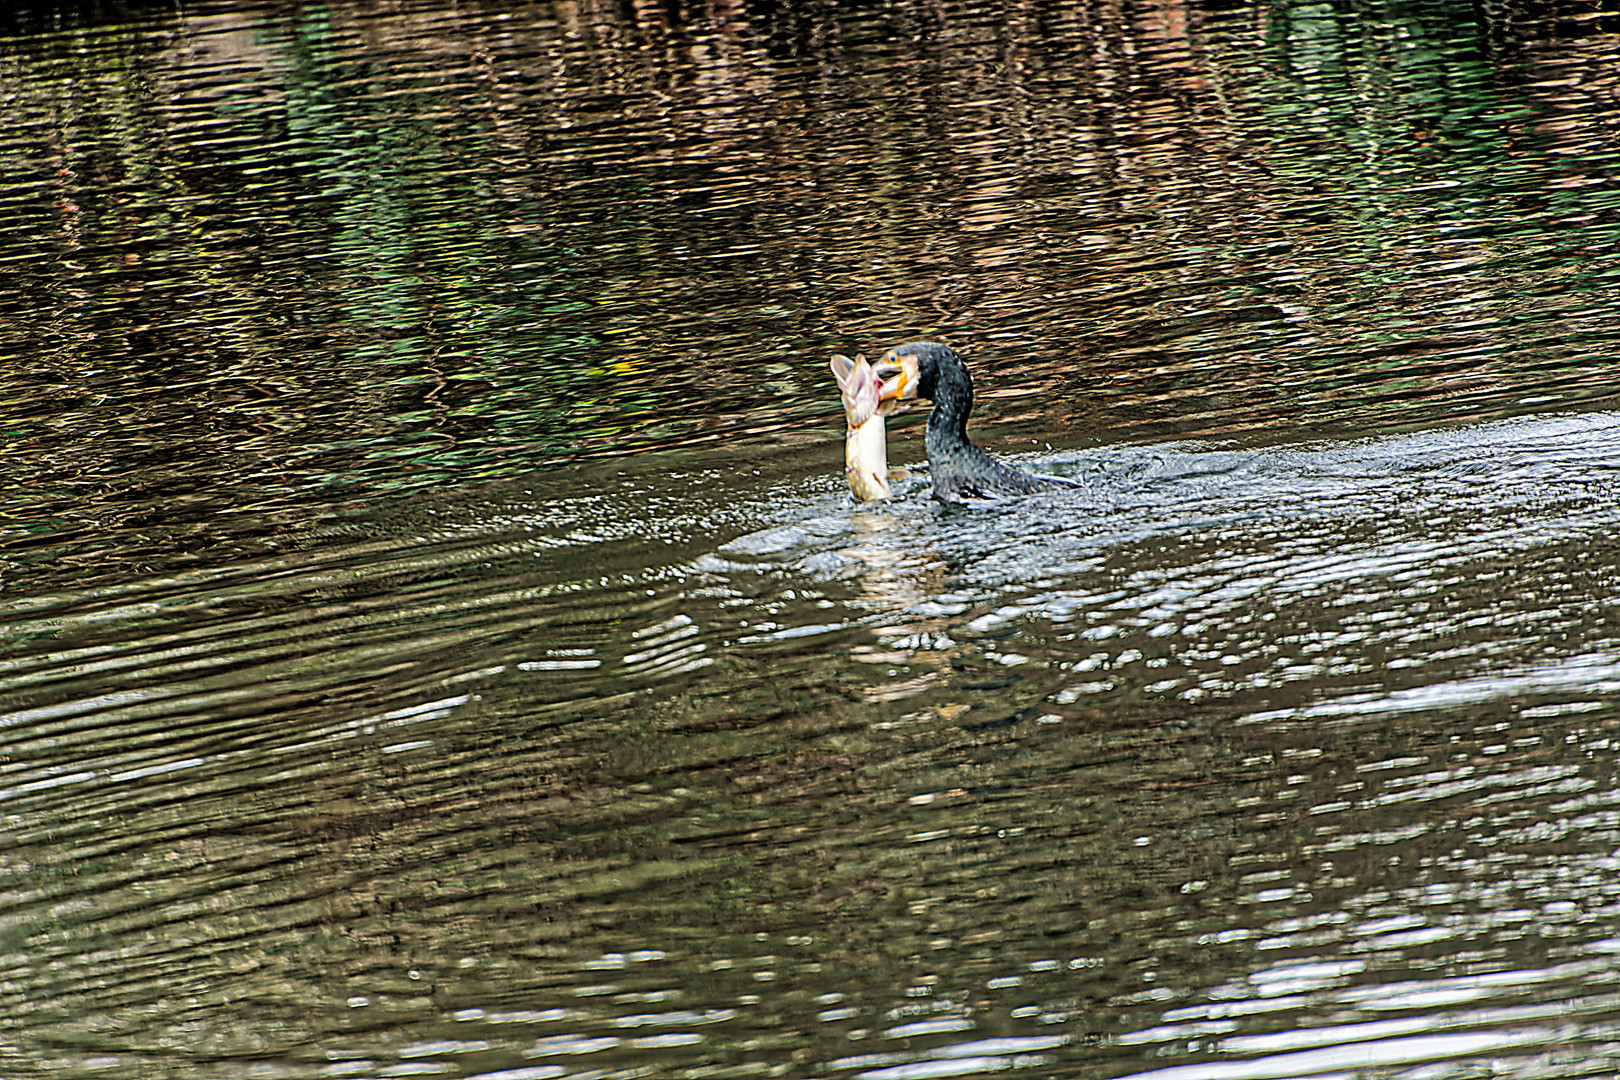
x,y
898,377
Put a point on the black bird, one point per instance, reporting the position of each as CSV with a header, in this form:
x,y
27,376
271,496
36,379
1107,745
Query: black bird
x,y
960,470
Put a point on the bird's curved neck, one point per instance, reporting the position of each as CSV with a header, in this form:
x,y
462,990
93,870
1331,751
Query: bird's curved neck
x,y
953,401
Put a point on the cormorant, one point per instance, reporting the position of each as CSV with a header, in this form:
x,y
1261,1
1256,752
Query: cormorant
x,y
959,469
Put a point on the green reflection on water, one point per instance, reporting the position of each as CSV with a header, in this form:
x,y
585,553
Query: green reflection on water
x,y
356,243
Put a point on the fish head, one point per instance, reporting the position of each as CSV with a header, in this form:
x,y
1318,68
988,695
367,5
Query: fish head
x,y
859,388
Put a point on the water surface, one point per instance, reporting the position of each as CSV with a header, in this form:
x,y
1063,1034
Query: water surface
x,y
437,641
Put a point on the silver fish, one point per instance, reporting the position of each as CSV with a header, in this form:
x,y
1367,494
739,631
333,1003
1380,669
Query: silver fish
x,y
866,452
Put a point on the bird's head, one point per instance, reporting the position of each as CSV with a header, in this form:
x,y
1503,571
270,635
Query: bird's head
x,y
918,369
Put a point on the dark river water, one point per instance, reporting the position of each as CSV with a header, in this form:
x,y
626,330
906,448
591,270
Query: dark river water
x,y
436,638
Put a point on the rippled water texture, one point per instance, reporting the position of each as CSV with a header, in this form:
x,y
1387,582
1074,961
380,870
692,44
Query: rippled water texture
x,y
435,638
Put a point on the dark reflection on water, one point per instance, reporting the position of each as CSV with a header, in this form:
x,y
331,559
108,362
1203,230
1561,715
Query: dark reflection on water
x,y
436,640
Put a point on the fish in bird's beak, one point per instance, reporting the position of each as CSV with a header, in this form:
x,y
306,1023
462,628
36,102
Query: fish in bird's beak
x,y
897,375
866,463
859,388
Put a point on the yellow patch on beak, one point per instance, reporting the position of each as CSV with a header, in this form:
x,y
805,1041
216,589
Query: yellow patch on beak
x,y
899,377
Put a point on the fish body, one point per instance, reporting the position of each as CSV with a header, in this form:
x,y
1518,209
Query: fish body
x,y
866,452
